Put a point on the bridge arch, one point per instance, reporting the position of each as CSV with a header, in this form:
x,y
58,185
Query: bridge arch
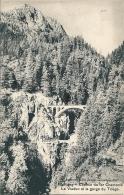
x,y
67,108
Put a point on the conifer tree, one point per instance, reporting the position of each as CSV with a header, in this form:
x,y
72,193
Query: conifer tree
x,y
29,73
45,82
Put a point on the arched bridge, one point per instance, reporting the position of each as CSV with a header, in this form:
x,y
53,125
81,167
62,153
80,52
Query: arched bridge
x,y
61,109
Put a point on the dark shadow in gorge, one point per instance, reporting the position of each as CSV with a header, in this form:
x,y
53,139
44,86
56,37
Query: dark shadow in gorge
x,y
73,117
30,118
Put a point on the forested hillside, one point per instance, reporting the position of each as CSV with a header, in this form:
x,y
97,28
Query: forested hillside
x,y
39,60
37,55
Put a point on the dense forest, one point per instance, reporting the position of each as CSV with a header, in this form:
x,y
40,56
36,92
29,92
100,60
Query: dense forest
x,y
38,57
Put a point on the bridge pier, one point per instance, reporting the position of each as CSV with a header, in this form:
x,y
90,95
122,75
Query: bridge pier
x,y
53,112
36,108
57,109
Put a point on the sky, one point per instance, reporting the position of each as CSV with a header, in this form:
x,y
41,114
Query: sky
x,y
100,22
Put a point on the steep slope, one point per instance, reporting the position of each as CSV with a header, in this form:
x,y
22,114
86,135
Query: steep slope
x,y
19,27
41,62
43,58
99,130
28,18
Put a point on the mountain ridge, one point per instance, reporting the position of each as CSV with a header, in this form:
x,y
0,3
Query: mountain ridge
x,y
28,17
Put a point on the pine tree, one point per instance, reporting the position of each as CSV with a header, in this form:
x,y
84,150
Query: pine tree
x,y
29,73
45,82
53,85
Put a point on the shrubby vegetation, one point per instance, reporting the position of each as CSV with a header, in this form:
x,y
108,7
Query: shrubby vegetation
x,y
100,132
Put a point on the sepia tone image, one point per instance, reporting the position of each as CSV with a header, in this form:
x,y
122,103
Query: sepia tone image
x,y
62,97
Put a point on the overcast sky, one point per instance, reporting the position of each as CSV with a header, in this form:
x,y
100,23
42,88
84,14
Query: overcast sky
x,y
100,22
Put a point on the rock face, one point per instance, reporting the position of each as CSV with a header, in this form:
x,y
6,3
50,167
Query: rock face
x,y
27,18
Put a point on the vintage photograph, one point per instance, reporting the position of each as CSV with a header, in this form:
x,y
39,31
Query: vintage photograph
x,y
62,97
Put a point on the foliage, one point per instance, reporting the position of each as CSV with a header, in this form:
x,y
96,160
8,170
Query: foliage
x,y
38,56
17,180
